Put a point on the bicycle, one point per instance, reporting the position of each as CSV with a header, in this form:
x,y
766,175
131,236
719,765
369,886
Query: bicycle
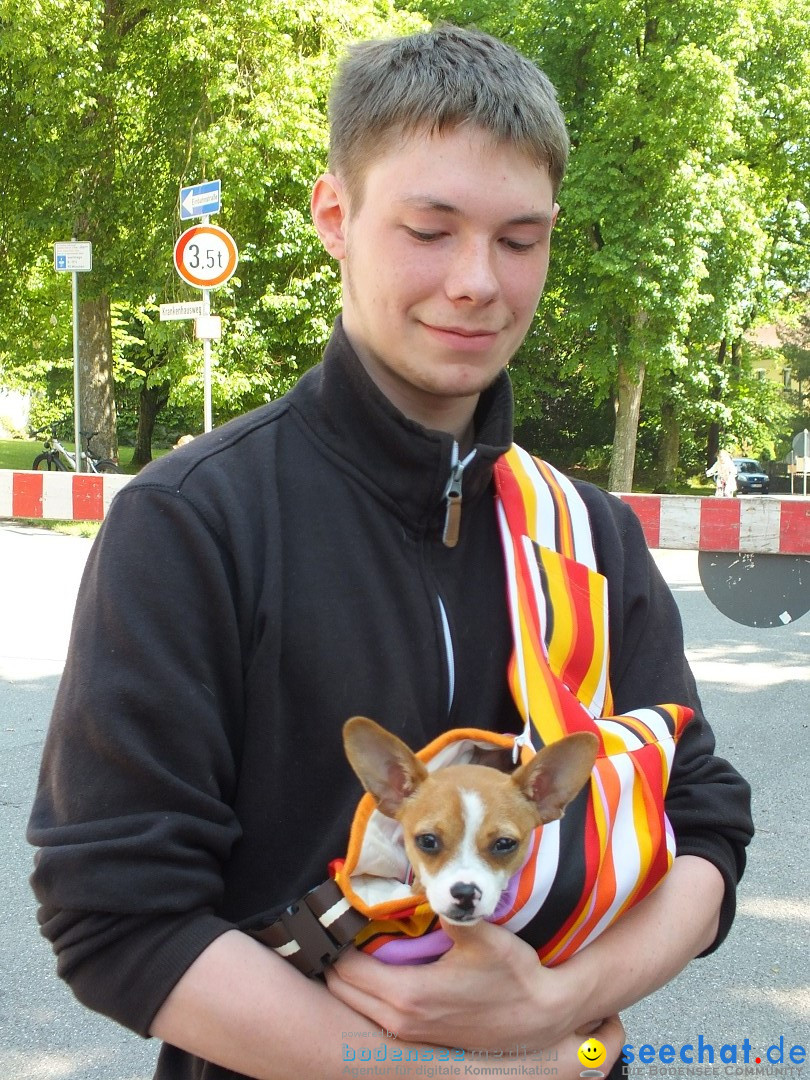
x,y
56,457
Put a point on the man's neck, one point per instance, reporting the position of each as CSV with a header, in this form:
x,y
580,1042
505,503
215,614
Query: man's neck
x,y
451,414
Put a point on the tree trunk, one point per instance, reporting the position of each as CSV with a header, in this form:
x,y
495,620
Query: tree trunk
x,y
668,448
97,393
713,436
151,400
630,383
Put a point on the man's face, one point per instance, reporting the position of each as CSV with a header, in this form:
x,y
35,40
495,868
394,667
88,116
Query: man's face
x,y
443,263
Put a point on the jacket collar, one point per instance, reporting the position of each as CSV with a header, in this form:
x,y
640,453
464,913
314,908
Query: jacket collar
x,y
408,465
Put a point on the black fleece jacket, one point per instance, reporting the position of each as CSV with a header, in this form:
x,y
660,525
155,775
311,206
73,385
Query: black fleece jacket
x,y
245,596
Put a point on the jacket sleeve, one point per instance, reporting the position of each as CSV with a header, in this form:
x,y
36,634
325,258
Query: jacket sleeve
x,y
708,803
133,814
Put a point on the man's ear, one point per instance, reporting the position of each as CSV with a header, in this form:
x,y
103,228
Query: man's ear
x,y
329,207
385,766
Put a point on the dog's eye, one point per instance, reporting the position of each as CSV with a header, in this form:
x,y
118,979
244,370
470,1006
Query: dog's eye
x,y
504,845
428,842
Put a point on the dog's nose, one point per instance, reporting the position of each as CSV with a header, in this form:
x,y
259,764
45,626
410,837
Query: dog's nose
x,y
465,894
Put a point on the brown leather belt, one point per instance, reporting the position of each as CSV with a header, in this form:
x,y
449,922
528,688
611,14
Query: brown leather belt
x,y
314,931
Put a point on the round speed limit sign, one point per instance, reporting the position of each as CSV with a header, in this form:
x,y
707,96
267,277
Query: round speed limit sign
x,y
205,256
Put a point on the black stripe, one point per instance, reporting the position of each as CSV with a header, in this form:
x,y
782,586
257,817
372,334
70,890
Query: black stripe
x,y
563,899
549,631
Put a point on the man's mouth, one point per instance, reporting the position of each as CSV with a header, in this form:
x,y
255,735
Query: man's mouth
x,y
463,337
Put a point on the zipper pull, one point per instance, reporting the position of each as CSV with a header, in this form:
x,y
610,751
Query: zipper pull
x,y
452,516
452,497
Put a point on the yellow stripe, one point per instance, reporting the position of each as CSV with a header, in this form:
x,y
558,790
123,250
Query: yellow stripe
x,y
559,648
598,665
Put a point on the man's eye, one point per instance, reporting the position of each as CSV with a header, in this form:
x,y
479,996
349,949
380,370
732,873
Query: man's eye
x,y
428,842
424,237
515,245
504,845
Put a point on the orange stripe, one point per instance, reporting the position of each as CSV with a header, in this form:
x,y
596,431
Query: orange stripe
x,y
565,533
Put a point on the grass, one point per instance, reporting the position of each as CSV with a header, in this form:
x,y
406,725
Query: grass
x,y
85,529
20,453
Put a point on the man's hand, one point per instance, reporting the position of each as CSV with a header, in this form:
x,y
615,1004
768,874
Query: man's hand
x,y
488,992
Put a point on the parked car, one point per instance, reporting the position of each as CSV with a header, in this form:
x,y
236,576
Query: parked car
x,y
750,477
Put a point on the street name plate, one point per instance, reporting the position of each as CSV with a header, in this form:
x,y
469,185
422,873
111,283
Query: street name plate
x,y
191,309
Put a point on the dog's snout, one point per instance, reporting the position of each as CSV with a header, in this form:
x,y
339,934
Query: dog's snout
x,y
465,894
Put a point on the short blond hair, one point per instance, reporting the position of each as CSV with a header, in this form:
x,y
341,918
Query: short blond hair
x,y
434,81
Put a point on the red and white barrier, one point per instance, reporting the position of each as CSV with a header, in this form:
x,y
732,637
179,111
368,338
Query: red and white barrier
x,y
58,495
756,525
770,525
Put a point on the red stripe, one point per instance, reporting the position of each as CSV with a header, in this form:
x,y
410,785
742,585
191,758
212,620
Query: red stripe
x,y
794,528
26,495
88,498
648,511
580,655
510,495
719,525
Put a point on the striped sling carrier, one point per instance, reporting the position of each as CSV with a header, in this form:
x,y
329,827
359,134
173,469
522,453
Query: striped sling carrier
x,y
614,844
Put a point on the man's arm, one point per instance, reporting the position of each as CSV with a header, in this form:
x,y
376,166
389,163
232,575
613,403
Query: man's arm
x,y
242,1007
490,991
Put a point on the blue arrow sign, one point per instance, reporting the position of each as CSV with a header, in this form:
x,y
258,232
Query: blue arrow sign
x,y
200,199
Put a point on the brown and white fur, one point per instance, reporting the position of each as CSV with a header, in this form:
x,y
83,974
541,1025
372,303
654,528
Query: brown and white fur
x,y
466,828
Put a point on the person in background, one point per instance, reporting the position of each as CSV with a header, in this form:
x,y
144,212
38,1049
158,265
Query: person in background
x,y
724,472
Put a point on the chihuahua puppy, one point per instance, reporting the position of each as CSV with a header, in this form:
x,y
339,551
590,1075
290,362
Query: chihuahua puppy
x,y
466,828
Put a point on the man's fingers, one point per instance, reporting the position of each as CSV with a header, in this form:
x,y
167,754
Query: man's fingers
x,y
480,934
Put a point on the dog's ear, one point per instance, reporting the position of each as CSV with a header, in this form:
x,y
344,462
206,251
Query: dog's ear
x,y
385,766
555,776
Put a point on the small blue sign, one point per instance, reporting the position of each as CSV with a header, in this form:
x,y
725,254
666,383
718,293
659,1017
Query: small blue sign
x,y
200,199
61,262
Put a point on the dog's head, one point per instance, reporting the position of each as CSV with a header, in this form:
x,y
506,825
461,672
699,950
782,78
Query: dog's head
x,y
466,828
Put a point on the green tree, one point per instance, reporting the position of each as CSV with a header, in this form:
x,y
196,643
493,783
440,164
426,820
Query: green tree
x,y
110,105
681,208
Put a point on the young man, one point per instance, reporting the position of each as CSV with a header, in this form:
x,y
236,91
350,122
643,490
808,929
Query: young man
x,y
307,563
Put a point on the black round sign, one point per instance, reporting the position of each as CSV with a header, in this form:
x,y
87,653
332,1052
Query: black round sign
x,y
757,590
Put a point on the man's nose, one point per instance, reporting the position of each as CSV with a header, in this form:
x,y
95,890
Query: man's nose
x,y
471,275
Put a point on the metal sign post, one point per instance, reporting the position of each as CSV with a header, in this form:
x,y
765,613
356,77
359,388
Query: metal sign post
x,y
205,256
207,411
75,257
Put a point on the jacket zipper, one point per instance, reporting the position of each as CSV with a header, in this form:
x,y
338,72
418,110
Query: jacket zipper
x,y
452,497
452,528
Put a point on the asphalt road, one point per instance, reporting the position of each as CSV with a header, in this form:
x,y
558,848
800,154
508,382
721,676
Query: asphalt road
x,y
755,686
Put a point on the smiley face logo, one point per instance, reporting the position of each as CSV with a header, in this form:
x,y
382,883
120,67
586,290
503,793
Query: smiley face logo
x,y
592,1054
